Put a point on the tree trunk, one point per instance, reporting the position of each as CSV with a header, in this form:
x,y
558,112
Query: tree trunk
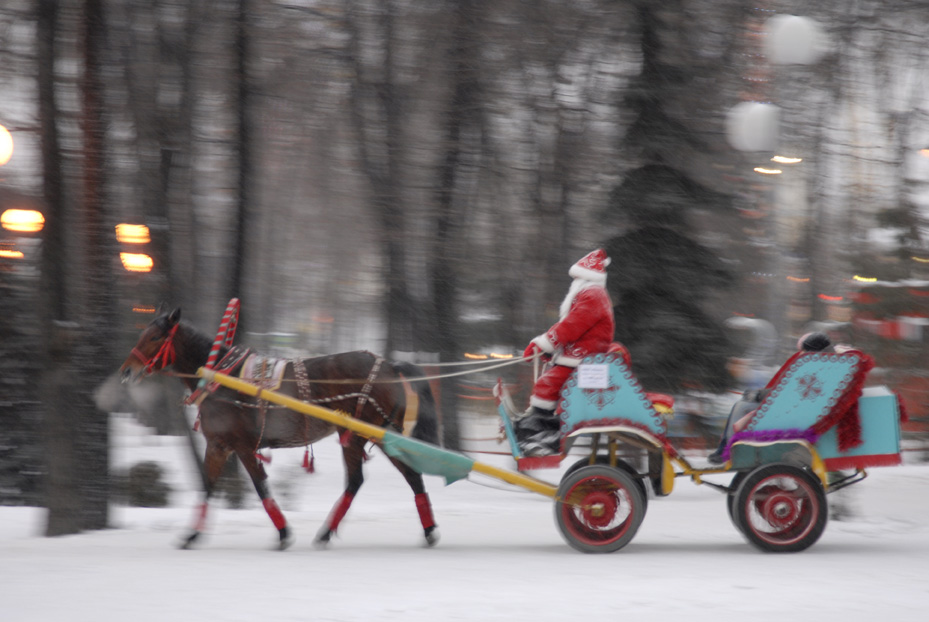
x,y
59,425
244,151
93,360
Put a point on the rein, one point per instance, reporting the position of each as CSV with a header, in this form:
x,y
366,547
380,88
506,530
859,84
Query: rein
x,y
434,377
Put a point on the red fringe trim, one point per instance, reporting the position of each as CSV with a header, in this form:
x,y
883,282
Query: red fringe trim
x,y
860,462
844,413
539,462
904,416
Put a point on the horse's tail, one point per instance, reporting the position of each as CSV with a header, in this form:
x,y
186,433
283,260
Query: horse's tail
x,y
427,420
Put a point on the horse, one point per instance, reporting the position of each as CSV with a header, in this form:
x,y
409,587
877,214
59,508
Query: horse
x,y
360,383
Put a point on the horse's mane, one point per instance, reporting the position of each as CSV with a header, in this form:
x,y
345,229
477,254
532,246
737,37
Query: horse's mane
x,y
199,341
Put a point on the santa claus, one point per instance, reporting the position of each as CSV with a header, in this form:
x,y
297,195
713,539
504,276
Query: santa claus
x,y
585,326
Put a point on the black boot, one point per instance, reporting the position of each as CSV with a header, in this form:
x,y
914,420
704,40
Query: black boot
x,y
717,456
535,421
544,443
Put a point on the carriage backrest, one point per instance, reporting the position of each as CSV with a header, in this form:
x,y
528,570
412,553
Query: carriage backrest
x,y
604,391
809,387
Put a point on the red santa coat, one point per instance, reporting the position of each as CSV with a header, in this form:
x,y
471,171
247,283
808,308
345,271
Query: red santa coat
x,y
587,328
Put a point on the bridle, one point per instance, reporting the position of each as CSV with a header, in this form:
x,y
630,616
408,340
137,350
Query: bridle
x,y
166,354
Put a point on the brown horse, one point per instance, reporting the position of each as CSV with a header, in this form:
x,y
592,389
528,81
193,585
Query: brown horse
x,y
360,383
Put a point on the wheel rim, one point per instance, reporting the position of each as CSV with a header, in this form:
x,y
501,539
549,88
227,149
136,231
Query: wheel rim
x,y
782,509
597,510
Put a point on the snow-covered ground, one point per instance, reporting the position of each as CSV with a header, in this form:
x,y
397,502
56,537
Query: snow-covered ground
x,y
500,558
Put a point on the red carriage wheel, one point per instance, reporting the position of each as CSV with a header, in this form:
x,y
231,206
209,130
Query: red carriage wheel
x,y
737,480
599,508
620,464
781,508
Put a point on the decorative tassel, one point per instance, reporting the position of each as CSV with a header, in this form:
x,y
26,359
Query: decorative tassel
x,y
345,437
197,423
308,461
263,458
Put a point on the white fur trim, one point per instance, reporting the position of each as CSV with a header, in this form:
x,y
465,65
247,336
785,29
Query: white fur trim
x,y
543,404
587,274
567,361
543,342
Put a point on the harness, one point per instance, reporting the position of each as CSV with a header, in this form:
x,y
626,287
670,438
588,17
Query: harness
x,y
166,354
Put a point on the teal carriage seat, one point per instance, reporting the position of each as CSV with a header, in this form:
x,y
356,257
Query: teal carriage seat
x,y
820,398
603,392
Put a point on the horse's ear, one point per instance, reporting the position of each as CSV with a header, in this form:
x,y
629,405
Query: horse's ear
x,y
175,316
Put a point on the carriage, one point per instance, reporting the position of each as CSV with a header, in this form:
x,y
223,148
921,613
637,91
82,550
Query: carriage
x,y
816,432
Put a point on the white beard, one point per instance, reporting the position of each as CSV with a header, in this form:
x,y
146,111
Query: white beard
x,y
576,286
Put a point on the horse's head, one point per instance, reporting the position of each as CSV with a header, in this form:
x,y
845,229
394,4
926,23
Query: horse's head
x,y
155,349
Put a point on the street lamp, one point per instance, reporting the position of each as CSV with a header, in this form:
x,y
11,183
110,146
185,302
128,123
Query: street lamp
x,y
6,145
22,220
136,262
132,234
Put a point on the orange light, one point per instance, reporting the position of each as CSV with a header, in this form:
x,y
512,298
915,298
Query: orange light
x,y
7,253
494,355
136,262
476,357
22,220
828,298
799,279
143,309
132,234
6,145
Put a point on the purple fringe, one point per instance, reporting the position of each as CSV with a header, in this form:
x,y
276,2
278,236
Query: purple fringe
x,y
765,436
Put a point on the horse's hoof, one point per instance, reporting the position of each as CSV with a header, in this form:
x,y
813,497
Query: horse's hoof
x,y
188,542
322,538
432,536
287,539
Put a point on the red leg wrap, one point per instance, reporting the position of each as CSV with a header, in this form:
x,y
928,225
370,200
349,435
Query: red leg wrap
x,y
201,517
425,510
274,512
338,512
345,438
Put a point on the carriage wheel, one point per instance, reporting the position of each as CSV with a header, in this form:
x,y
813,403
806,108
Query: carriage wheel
x,y
780,508
600,509
620,464
730,498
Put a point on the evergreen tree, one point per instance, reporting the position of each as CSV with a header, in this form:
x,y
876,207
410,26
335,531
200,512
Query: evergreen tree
x,y
661,276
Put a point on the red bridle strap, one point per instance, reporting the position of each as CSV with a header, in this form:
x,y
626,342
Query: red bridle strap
x,y
166,354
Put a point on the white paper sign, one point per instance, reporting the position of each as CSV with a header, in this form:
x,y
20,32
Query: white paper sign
x,y
593,376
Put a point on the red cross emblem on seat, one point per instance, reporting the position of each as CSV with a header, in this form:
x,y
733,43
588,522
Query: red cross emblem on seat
x,y
810,387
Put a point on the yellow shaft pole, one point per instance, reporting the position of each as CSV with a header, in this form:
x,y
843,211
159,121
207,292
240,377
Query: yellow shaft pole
x,y
331,416
364,429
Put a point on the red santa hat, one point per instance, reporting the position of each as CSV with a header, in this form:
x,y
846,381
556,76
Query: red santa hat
x,y
592,267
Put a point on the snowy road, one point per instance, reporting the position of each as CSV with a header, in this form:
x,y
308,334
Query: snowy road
x,y
500,557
